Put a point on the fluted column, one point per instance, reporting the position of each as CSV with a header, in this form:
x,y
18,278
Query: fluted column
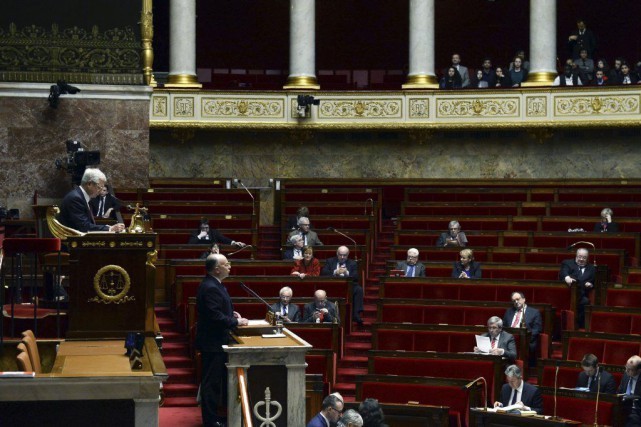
x,y
302,45
421,73
182,44
542,43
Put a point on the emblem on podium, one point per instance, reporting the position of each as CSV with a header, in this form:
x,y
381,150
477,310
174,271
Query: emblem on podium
x,y
111,283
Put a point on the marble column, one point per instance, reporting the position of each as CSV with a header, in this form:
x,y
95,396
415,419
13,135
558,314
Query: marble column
x,y
542,43
182,44
421,72
302,45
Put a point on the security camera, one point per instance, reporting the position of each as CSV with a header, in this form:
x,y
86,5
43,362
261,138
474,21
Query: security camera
x,y
304,102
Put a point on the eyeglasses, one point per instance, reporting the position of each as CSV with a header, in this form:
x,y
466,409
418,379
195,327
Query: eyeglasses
x,y
337,411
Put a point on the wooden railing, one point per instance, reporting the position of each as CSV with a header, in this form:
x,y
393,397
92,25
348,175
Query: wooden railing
x,y
244,397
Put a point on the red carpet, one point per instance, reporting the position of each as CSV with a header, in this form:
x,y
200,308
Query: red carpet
x,y
180,416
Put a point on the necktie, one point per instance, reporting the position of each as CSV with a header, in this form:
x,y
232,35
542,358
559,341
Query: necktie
x,y
410,271
284,310
517,319
304,236
93,220
514,397
101,208
493,344
631,387
589,382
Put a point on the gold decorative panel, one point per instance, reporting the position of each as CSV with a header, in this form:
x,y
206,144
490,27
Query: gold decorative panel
x,y
360,109
419,108
537,106
473,108
159,106
242,108
623,104
183,106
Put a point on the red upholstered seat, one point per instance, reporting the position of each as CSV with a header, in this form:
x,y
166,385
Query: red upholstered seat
x,y
615,323
623,298
618,353
577,347
575,409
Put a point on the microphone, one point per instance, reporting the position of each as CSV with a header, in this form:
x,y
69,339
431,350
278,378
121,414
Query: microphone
x,y
598,392
250,195
556,377
243,248
254,294
473,382
346,236
371,201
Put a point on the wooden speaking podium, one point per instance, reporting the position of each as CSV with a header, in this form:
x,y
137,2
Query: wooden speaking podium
x,y
111,284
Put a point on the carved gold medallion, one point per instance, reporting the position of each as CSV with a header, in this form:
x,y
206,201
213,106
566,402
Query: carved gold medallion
x,y
112,283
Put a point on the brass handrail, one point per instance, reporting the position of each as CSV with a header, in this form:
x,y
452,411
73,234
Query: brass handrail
x,y
244,397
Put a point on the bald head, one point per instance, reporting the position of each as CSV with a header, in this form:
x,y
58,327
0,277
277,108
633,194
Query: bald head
x,y
218,266
633,366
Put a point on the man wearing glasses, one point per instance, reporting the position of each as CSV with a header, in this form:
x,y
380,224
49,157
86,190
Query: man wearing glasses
x,y
520,314
453,238
310,238
412,267
75,211
331,411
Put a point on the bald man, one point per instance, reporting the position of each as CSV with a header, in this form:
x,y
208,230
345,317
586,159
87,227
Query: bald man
x,y
342,266
320,310
632,389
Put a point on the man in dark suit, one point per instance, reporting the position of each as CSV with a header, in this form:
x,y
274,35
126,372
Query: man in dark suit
x,y
341,266
320,310
296,251
520,314
501,342
581,38
594,376
519,392
632,389
579,273
74,209
310,238
412,267
205,235
105,205
331,410
216,319
286,311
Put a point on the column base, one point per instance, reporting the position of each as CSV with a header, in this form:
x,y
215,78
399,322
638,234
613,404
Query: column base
x,y
301,82
539,78
421,81
183,81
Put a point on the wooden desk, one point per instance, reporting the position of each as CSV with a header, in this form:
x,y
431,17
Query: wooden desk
x,y
494,419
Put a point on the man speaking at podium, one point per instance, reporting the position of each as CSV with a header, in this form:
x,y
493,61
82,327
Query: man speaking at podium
x,y
75,211
216,319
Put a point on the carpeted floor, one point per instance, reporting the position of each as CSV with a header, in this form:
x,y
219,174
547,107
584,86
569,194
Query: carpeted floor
x,y
180,416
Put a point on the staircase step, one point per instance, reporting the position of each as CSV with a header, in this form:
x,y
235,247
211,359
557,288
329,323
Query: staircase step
x,y
173,402
177,361
174,349
357,347
174,336
180,390
354,361
345,388
347,375
360,336
181,375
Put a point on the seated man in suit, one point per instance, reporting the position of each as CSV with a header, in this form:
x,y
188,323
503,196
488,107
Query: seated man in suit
x,y
105,205
74,209
631,387
579,273
207,235
283,309
320,310
310,238
296,251
341,266
453,238
519,392
594,376
412,267
501,342
331,411
520,315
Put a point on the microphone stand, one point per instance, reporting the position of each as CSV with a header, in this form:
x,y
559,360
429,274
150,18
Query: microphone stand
x,y
471,383
250,195
243,248
598,392
254,294
556,377
346,236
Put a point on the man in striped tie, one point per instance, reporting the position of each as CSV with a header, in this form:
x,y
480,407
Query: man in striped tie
x,y
520,314
412,267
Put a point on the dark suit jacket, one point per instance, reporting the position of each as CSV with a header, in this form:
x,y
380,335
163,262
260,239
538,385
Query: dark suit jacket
x,y
215,315
75,213
419,268
570,268
611,227
442,239
507,343
317,421
608,385
289,253
214,237
623,387
530,396
332,263
310,309
312,238
293,313
110,202
533,321
585,41
474,273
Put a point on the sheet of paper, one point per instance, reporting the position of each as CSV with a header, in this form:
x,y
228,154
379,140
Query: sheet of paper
x,y
483,343
257,322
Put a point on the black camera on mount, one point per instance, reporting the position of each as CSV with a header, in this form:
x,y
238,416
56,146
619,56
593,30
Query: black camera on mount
x,y
77,160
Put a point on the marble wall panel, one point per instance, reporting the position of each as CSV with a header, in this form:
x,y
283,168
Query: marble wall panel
x,y
33,135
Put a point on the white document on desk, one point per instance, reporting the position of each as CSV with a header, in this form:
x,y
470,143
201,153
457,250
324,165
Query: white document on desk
x,y
483,343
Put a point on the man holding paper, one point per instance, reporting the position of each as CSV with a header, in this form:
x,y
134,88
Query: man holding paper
x,y
518,394
496,341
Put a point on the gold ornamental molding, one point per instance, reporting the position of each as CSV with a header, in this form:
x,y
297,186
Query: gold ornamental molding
x,y
361,108
603,105
473,108
421,81
233,107
301,82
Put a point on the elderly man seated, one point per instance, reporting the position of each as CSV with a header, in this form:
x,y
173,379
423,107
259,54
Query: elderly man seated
x,y
412,267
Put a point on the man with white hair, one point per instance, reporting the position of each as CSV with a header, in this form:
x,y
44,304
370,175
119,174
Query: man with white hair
x,y
350,418
296,251
578,272
501,343
74,209
284,309
310,238
522,394
412,267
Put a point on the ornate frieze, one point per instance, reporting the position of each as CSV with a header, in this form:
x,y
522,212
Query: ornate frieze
x,y
537,106
360,108
227,107
477,107
419,108
619,104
